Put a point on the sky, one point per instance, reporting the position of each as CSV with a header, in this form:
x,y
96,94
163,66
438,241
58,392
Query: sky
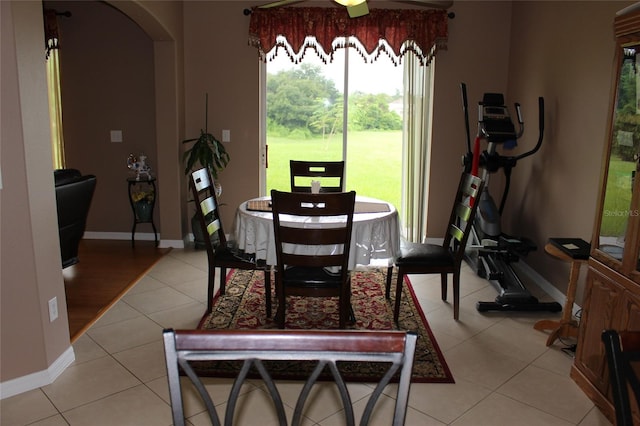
x,y
378,77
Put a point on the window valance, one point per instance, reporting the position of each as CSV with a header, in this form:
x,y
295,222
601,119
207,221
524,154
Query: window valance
x,y
393,31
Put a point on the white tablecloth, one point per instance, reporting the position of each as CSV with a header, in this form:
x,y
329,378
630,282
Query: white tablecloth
x,y
374,235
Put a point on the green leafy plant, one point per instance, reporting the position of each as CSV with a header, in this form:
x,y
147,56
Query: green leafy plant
x,y
207,150
143,196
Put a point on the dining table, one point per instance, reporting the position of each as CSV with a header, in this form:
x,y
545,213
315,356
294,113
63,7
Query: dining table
x,y
375,234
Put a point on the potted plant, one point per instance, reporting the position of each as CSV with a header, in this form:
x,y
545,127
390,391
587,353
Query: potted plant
x,y
143,204
207,151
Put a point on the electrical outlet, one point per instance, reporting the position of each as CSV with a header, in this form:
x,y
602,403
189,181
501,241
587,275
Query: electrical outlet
x,y
53,309
226,136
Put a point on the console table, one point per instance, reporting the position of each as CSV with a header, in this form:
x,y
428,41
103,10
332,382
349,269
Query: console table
x,y
142,197
566,327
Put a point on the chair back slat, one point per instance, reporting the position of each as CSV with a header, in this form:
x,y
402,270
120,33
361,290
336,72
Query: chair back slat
x,y
330,174
213,227
201,179
471,186
324,349
456,233
622,349
463,212
314,236
208,205
317,261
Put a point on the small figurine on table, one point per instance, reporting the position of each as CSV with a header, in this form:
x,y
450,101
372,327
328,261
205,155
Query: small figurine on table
x,y
139,165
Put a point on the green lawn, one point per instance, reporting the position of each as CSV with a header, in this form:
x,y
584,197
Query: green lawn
x,y
618,198
374,161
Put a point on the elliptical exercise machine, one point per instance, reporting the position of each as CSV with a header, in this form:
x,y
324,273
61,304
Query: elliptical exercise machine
x,y
491,251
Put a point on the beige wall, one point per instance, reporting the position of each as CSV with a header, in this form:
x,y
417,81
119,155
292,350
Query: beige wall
x,y
564,52
560,50
30,262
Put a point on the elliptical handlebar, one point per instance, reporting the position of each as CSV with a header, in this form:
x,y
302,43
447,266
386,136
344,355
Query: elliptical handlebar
x,y
540,130
465,109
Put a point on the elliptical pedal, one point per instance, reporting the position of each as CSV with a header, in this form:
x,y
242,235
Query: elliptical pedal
x,y
530,307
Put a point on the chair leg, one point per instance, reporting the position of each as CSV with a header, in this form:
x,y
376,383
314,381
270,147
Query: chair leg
x,y
342,314
346,313
210,288
443,281
396,309
267,291
456,295
223,279
387,292
282,304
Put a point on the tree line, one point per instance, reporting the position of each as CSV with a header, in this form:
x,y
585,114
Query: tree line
x,y
304,104
627,121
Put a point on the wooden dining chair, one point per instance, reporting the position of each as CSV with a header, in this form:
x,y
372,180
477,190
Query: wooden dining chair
x,y
256,348
220,252
622,349
329,173
313,256
419,258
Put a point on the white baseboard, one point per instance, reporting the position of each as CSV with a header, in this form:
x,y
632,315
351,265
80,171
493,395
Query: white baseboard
x,y
145,236
171,243
141,236
37,380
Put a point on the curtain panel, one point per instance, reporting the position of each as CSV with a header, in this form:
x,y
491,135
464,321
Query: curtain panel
x,y
418,104
52,57
393,31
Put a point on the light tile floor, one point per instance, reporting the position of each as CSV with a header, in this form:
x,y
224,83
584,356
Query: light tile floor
x,y
504,373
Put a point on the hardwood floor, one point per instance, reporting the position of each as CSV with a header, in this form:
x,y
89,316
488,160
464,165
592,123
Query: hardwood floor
x,y
107,269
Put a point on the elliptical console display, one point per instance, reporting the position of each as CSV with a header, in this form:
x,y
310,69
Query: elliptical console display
x,y
491,251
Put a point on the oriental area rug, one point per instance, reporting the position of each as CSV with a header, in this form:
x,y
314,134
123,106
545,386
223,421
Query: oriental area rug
x,y
243,307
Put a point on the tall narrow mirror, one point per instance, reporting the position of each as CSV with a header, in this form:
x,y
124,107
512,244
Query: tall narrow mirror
x,y
624,159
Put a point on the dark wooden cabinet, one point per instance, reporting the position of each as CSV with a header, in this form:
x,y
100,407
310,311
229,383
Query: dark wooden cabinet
x,y
612,296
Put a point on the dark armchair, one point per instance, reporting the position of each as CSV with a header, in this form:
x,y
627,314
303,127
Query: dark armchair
x,y
73,198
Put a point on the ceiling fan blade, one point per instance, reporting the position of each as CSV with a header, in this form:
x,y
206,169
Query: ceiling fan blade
x,y
358,10
279,3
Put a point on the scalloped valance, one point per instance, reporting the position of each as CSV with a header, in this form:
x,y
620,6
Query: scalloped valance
x,y
393,31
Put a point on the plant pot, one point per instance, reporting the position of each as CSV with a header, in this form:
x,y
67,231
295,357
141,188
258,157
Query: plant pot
x,y
198,236
143,211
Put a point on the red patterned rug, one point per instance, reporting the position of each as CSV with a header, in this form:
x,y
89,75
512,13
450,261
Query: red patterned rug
x,y
243,307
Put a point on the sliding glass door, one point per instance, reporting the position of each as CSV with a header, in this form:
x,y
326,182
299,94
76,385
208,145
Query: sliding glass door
x,y
344,110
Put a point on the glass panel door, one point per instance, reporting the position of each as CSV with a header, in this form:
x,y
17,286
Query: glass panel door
x,y
617,209
305,120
